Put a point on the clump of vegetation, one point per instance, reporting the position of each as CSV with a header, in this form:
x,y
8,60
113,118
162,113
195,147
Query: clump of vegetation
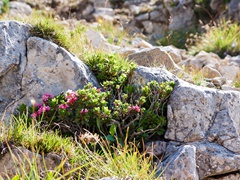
x,y
49,30
114,111
84,162
175,38
236,81
114,33
222,39
5,6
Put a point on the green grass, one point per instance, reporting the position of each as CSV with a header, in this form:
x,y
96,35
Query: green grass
x,y
5,6
88,162
222,39
175,38
45,26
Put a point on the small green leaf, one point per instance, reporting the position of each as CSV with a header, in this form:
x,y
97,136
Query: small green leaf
x,y
113,129
98,124
16,177
110,138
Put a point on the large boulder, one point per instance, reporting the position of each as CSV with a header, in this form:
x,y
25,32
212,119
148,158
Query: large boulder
x,y
203,130
13,59
31,66
196,113
199,160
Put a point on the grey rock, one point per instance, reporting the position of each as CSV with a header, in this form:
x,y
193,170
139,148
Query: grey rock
x,y
148,26
181,165
20,158
30,67
52,69
196,113
102,3
143,75
154,57
98,41
200,60
138,42
19,9
234,9
209,72
199,160
158,16
175,53
213,159
105,11
182,14
231,176
229,67
216,4
13,52
156,148
142,17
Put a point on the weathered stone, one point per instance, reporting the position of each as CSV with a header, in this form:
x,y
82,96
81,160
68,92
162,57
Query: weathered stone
x,y
29,67
216,4
156,148
200,60
230,67
13,52
213,159
181,13
231,176
138,42
102,3
154,57
181,165
234,9
143,75
52,69
199,160
158,16
18,9
142,17
148,26
21,159
209,72
174,52
97,41
196,113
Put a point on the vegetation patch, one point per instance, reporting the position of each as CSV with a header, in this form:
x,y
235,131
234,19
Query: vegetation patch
x,y
222,39
114,111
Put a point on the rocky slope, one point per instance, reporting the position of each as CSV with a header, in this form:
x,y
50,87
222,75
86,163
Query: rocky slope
x,y
202,138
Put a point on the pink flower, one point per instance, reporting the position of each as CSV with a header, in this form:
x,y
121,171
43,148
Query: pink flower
x,y
134,108
84,111
71,96
46,96
43,109
38,104
34,115
63,106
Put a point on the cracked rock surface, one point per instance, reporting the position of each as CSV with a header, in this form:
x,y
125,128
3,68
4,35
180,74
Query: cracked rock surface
x,y
31,66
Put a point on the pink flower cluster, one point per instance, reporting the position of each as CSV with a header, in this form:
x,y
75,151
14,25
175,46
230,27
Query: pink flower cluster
x,y
134,108
42,109
71,96
46,96
63,106
84,111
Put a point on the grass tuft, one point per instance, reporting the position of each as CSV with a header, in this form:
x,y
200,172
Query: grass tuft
x,y
222,39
